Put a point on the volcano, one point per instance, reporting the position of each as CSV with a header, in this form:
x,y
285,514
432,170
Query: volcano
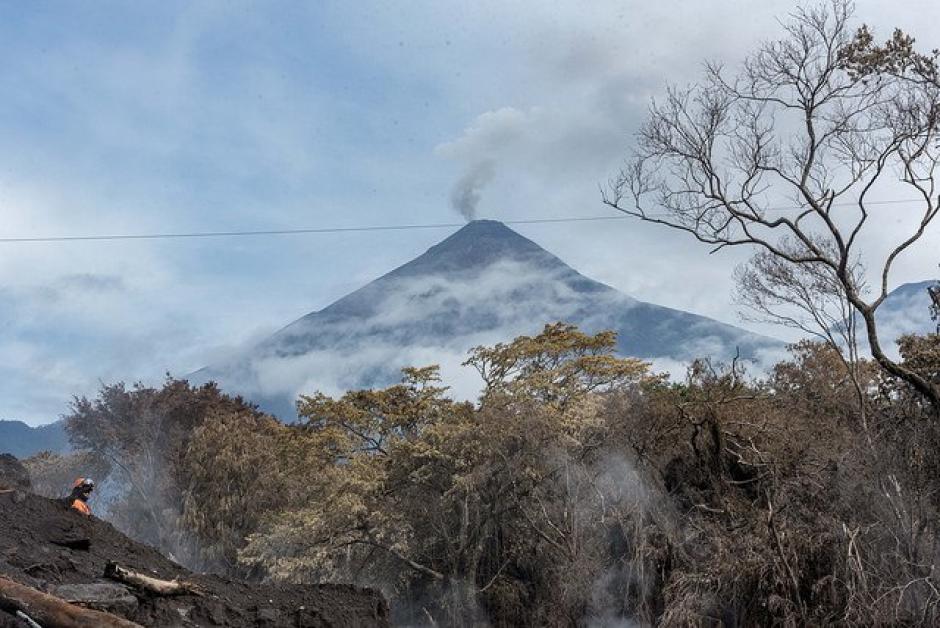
x,y
483,284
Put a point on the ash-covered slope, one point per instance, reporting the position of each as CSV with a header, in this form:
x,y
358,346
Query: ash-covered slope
x,y
47,546
476,280
484,284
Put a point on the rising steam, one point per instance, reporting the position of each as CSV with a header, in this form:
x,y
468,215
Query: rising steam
x,y
466,193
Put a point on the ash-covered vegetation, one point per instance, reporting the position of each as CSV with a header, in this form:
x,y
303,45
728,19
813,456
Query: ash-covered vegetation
x,y
580,489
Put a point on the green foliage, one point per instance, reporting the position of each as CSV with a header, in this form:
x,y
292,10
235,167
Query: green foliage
x,y
433,500
238,467
579,489
52,474
143,433
922,353
862,57
557,367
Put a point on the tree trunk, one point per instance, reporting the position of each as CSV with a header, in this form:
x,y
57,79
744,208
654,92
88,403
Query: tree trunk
x,y
52,612
154,586
920,384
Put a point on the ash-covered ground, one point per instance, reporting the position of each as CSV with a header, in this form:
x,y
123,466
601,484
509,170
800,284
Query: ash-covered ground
x,y
46,545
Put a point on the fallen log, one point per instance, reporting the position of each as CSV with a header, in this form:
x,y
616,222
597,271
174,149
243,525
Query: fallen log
x,y
26,618
52,612
75,543
150,584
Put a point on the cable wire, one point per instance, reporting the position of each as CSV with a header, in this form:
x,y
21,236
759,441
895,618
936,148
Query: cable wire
x,y
268,232
315,230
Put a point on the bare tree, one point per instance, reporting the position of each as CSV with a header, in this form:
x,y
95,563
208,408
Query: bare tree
x,y
787,154
808,298
934,292
805,297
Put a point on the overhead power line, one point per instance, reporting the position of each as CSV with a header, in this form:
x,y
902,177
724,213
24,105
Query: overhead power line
x,y
268,232
314,230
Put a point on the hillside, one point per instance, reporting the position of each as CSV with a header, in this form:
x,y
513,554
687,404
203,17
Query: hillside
x,y
49,547
483,284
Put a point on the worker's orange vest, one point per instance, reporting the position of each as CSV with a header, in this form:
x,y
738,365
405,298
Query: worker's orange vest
x,y
81,507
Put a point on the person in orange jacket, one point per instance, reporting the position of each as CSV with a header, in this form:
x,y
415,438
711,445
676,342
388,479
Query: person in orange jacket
x,y
81,491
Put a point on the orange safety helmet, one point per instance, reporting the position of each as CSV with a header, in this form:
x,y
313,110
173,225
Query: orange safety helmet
x,y
83,483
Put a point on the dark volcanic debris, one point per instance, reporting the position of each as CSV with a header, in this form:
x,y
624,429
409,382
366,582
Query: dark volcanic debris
x,y
41,546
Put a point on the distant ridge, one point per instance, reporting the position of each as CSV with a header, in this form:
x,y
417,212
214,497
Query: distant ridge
x,y
22,441
907,309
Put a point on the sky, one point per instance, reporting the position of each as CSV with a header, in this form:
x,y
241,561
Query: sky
x,y
129,117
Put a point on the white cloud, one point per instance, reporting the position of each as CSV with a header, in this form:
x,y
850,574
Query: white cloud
x,y
407,320
229,116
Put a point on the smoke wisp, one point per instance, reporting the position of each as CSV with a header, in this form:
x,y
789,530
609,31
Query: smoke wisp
x,y
467,191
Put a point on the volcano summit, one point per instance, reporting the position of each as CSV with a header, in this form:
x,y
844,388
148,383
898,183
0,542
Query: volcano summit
x,y
483,284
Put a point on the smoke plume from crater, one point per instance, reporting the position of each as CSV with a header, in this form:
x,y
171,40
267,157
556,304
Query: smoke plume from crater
x,y
467,191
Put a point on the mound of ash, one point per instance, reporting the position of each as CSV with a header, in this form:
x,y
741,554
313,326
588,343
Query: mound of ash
x,y
13,475
51,549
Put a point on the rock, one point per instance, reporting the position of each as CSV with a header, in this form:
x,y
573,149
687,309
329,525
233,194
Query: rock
x,y
13,475
267,617
101,596
309,618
